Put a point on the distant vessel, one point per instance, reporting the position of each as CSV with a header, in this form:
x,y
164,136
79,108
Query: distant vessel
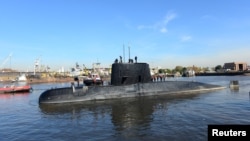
x,y
93,79
76,71
221,73
21,78
15,89
127,80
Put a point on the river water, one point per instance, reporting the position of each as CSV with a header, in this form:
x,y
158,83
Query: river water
x,y
175,118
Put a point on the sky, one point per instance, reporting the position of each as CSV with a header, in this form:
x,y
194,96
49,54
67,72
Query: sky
x,y
162,33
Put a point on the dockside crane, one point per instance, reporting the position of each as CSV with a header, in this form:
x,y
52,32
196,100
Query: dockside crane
x,y
6,60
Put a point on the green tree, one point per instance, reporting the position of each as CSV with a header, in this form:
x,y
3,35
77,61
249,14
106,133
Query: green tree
x,y
161,71
178,69
218,67
168,71
184,69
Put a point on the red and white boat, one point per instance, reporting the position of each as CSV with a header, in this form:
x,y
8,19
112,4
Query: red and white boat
x,y
93,79
15,89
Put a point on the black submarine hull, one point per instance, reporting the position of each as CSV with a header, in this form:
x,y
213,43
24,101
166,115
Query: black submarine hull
x,y
86,93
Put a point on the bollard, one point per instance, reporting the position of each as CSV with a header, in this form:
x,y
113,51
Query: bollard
x,y
73,86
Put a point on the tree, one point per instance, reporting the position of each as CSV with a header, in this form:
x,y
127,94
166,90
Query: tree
x,y
218,67
168,71
184,69
161,71
178,69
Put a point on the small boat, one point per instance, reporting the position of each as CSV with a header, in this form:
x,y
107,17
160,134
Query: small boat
x,y
21,78
15,89
93,79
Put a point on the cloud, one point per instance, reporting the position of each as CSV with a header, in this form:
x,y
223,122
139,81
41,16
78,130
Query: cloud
x,y
186,38
169,17
160,26
163,30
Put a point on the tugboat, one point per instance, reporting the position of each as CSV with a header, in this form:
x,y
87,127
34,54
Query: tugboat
x,y
127,80
15,89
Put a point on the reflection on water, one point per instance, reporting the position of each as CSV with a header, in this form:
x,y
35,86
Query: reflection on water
x,y
175,117
125,114
13,95
127,106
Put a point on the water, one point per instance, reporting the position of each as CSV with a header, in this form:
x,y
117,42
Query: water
x,y
172,118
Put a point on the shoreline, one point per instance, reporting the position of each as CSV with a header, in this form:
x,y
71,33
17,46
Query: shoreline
x,y
224,74
37,80
44,80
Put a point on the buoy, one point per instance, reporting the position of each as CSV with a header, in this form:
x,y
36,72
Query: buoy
x,y
234,84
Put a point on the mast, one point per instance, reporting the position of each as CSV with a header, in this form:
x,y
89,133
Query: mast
x,y
129,52
124,54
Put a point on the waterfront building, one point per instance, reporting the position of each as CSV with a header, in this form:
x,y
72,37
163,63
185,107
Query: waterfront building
x,y
235,66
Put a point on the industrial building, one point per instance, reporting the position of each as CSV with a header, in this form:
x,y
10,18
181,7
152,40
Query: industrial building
x,y
236,66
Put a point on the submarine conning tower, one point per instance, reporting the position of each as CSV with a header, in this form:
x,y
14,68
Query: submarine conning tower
x,y
130,73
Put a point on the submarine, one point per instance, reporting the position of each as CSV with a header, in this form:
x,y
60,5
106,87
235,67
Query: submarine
x,y
128,79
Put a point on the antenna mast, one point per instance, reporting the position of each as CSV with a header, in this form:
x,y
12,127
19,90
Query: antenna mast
x,y
124,54
128,52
